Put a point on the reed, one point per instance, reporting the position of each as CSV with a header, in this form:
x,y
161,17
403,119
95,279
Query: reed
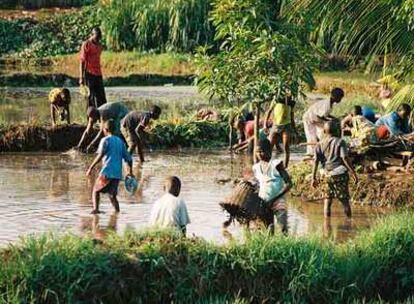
x,y
144,25
161,267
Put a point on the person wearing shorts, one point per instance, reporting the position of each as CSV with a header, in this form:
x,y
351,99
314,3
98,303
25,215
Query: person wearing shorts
x,y
133,126
332,153
111,152
283,124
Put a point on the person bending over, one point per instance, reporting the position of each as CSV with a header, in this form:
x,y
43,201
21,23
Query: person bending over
x,y
59,99
133,129
397,122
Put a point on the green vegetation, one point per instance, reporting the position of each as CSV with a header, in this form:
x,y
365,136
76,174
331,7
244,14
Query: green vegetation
x,y
160,267
54,35
36,4
157,25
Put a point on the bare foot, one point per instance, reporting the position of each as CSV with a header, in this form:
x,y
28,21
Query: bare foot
x,y
96,212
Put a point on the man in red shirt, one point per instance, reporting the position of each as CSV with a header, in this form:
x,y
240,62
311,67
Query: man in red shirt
x,y
90,69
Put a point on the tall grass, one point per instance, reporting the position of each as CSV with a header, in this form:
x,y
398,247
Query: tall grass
x,y
161,267
175,25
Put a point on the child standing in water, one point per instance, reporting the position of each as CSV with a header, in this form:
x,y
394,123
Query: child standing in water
x,y
274,183
170,210
111,151
332,153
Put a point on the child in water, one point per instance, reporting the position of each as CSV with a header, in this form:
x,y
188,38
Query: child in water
x,y
59,104
170,210
332,153
274,183
111,151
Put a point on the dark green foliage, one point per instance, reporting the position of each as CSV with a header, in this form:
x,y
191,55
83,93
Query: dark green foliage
x,y
63,34
160,267
190,134
36,4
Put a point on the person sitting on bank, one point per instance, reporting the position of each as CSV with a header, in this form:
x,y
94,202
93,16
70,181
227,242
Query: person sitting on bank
x,y
397,122
283,124
111,151
332,153
274,183
133,126
317,114
114,110
59,99
90,69
170,210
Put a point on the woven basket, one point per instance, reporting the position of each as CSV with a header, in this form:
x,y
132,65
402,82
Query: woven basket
x,y
244,204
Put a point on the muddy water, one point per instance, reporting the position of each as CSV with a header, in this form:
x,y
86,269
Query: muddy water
x,y
43,192
31,104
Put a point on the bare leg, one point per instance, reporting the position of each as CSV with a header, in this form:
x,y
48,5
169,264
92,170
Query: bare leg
x,y
140,151
286,147
95,200
327,207
273,138
347,207
114,202
281,217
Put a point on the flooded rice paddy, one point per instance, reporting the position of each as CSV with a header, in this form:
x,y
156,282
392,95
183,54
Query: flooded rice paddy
x,y
30,105
50,192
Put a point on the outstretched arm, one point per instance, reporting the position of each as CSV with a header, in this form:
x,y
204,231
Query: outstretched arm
x,y
97,137
269,111
348,165
314,172
86,133
97,159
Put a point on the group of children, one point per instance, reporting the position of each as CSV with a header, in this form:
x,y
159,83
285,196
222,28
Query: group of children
x,y
322,130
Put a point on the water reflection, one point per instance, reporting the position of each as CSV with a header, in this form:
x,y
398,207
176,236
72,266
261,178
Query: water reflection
x,y
42,192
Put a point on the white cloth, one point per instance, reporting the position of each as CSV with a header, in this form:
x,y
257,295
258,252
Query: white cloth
x,y
313,133
320,108
313,125
270,181
169,211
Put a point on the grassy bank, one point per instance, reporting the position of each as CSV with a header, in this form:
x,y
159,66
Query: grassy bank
x,y
162,267
380,189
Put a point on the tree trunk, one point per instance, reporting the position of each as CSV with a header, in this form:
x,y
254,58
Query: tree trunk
x,y
256,130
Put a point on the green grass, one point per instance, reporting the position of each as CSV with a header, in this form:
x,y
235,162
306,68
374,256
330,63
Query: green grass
x,y
155,267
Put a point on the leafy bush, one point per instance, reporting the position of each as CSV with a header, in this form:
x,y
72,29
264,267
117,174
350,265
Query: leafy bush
x,y
61,34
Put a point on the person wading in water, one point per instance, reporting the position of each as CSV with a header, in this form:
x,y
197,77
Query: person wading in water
x,y
90,69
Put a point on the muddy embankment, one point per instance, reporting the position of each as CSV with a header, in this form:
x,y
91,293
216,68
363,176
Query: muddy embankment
x,y
164,134
59,80
28,138
380,189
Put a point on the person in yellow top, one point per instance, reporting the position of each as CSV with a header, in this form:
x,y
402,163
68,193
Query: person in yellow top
x,y
283,124
59,99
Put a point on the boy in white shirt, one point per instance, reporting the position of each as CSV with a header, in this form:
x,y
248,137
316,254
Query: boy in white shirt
x,y
170,210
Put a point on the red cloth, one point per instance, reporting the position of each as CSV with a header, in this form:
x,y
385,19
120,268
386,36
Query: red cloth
x,y
101,182
383,132
249,128
90,54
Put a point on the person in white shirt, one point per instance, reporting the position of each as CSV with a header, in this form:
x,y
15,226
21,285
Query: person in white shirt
x,y
315,117
170,210
274,183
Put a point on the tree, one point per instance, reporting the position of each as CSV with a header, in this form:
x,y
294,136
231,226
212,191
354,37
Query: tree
x,y
262,56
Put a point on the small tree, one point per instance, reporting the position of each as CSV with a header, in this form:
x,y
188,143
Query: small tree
x,y
262,56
